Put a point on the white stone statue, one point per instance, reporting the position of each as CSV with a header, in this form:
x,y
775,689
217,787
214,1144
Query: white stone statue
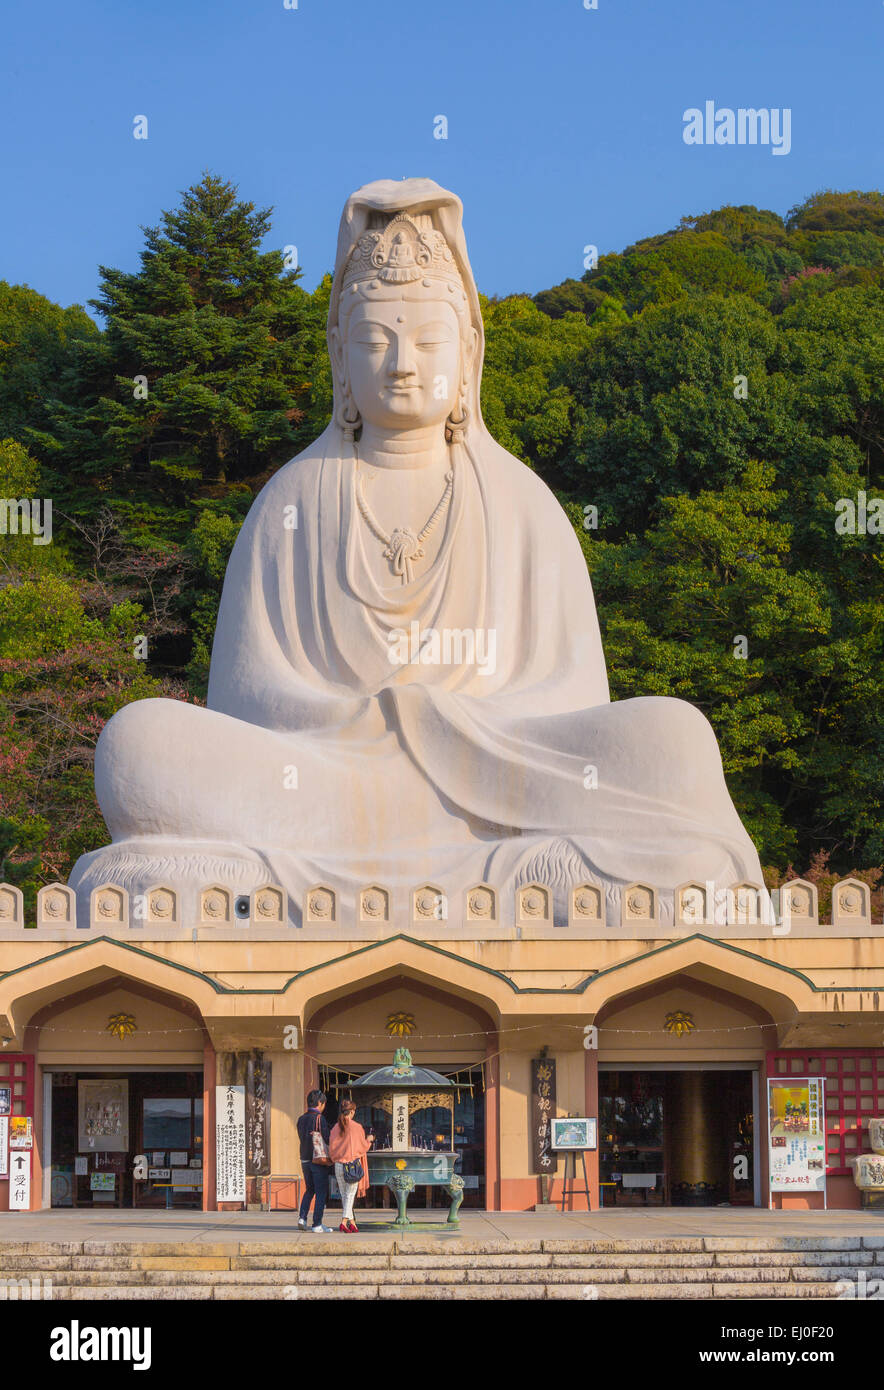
x,y
407,681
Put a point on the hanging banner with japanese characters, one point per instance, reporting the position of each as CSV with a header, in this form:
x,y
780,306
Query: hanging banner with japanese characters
x,y
230,1143
543,1109
4,1146
797,1130
258,1129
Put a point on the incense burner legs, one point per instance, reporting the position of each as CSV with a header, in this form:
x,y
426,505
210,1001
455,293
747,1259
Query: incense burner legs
x,y
402,1185
455,1187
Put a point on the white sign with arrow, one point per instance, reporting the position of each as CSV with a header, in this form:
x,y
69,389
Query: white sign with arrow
x,y
20,1182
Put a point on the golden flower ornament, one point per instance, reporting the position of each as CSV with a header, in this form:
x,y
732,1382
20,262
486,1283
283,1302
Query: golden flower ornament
x,y
400,1025
121,1025
680,1023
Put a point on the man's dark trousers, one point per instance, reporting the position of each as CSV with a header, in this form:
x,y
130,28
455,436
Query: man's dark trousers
x,y
315,1186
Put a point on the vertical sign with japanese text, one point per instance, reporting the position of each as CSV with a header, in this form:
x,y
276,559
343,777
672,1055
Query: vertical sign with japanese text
x,y
4,1146
400,1121
258,1129
543,1109
230,1143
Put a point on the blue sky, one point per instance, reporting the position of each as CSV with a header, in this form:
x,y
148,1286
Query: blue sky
x,y
564,124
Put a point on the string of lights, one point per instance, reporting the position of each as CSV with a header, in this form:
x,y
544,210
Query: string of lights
x,y
578,1028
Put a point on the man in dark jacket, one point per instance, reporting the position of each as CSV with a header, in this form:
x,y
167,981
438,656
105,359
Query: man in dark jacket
x,y
315,1174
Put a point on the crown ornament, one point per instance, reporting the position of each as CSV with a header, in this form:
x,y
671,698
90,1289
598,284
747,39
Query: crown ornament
x,y
401,253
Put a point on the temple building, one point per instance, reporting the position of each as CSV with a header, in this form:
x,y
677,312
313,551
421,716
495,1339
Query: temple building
x,y
411,814
119,1030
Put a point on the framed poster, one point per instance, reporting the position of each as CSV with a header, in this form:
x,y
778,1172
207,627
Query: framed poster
x,y
102,1182
103,1116
5,1100
797,1134
21,1132
573,1134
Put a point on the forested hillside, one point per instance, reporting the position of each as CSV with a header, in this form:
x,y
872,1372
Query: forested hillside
x,y
699,402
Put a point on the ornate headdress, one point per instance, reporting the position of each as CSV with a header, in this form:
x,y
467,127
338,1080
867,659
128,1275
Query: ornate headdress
x,y
401,253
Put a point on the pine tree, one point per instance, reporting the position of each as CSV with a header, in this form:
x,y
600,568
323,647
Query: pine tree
x,y
201,377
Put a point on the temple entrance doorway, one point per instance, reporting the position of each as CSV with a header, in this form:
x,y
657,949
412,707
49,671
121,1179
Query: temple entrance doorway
x,y
100,1119
678,1136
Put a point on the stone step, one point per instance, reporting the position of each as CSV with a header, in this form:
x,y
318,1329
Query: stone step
x,y
441,1292
322,1268
613,1274
338,1245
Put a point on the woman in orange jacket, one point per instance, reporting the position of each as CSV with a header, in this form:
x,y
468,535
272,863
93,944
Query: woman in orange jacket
x,y
348,1144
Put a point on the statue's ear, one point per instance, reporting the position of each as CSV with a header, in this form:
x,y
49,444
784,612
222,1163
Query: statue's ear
x,y
337,347
468,357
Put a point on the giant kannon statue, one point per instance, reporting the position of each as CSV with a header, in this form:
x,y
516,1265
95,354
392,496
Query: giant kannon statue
x,y
407,681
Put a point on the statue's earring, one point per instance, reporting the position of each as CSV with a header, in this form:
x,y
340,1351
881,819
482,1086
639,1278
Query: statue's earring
x,y
349,418
351,421
458,419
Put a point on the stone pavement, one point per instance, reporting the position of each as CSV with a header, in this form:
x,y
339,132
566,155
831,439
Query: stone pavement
x,y
652,1223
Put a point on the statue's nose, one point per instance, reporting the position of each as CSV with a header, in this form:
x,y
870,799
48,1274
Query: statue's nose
x,y
402,361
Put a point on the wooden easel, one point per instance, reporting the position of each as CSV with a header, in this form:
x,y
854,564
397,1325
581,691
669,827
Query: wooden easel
x,y
572,1155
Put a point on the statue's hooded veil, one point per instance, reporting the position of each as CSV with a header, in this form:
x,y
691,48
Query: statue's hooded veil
x,y
414,196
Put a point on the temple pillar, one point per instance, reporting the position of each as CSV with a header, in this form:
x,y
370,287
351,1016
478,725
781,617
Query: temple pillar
x,y
492,1129
698,1160
591,1108
288,1104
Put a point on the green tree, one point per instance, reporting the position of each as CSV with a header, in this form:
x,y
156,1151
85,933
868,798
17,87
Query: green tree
x,y
200,377
38,340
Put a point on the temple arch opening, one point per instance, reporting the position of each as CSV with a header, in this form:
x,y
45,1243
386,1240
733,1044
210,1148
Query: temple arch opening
x,y
681,1069
114,1069
359,1030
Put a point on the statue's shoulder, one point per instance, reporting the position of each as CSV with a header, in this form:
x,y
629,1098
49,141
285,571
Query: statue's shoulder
x,y
298,476
520,484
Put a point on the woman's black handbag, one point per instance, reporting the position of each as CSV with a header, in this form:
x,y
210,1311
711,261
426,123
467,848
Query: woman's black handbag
x,y
353,1171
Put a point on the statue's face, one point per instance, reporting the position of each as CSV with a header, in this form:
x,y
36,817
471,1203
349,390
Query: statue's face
x,y
403,359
